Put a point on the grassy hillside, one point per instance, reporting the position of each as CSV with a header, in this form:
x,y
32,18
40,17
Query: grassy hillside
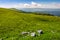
x,y
12,23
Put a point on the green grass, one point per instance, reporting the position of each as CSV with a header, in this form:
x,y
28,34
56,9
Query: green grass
x,y
12,23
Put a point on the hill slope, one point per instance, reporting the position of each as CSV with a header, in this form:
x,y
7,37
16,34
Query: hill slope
x,y
12,23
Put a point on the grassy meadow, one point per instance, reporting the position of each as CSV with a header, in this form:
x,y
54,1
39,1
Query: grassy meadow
x,y
12,23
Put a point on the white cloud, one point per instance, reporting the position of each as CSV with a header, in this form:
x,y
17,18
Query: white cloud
x,y
32,5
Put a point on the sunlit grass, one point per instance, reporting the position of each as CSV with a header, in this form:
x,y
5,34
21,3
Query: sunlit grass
x,y
12,23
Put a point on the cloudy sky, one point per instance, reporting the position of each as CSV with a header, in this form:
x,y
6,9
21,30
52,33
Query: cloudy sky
x,y
30,3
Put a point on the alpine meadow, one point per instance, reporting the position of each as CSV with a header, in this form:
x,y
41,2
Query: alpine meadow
x,y
29,19
13,22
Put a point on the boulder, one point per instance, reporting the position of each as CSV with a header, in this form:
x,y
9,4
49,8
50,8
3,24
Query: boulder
x,y
33,34
40,31
25,33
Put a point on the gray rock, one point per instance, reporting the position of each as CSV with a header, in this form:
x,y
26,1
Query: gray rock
x,y
40,31
25,33
33,34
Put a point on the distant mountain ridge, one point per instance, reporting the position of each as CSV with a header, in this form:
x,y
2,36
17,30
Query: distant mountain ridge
x,y
55,12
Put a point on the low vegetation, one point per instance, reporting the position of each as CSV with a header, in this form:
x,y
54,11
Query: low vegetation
x,y
12,23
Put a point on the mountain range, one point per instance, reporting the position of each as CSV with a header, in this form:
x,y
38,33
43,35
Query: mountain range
x,y
55,12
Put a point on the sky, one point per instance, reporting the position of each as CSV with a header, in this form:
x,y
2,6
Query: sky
x,y
30,3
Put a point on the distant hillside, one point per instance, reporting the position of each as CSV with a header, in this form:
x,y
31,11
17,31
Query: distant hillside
x,y
55,12
12,23
17,10
36,13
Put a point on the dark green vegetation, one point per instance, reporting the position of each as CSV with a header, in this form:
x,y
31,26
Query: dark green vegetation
x,y
12,23
38,13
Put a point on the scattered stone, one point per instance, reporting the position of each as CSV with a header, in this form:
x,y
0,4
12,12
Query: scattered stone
x,y
25,33
40,31
33,34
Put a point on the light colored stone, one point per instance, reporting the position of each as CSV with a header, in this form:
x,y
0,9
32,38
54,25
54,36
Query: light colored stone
x,y
33,34
23,33
40,31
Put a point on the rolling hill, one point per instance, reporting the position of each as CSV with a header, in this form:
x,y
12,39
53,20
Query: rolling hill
x,y
12,23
